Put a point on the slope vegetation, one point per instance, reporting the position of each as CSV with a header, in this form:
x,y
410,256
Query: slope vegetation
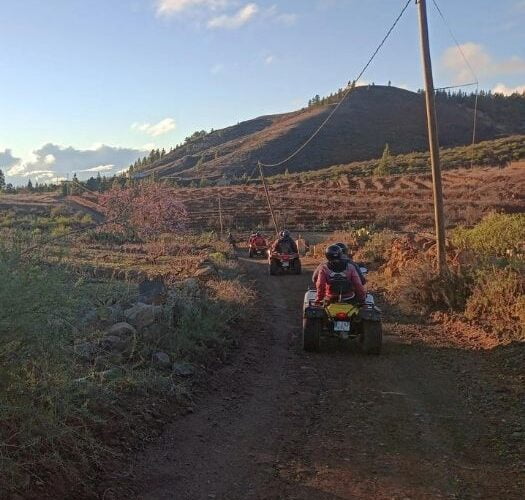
x,y
369,118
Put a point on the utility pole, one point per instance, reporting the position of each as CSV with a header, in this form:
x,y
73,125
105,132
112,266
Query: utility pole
x,y
268,199
220,216
433,138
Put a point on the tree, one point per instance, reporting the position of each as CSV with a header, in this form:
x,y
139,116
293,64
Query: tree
x,y
385,163
2,180
146,210
29,185
75,188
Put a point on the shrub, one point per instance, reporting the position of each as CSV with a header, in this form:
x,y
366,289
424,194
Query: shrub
x,y
146,210
377,247
498,301
421,289
495,235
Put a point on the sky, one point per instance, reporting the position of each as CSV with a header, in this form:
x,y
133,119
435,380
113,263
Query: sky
x,y
89,86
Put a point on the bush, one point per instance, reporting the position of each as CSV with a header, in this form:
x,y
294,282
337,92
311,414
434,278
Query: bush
x,y
495,235
498,301
377,248
421,289
146,210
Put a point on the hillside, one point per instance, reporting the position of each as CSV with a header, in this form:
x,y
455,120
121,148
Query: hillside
x,y
398,201
369,118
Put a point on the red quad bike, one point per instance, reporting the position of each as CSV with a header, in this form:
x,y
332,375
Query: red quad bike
x,y
281,263
257,250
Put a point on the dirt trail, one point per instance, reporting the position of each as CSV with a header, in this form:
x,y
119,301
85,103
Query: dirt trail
x,y
280,423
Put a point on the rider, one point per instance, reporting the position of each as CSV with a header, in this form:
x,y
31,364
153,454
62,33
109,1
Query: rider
x,y
231,239
284,244
257,240
345,257
337,279
348,258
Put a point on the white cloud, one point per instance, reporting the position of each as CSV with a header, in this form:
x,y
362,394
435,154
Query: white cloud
x,y
236,20
171,7
483,63
160,128
501,88
8,161
269,59
49,159
33,173
68,160
100,168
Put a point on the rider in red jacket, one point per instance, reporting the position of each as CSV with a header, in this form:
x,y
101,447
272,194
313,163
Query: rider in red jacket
x,y
257,240
338,279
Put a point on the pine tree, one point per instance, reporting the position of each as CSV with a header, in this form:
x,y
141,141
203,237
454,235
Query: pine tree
x,y
2,180
385,164
29,185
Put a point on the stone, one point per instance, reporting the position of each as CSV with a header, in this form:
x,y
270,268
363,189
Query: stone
x,y
161,360
183,369
112,343
122,329
86,350
206,273
152,291
142,315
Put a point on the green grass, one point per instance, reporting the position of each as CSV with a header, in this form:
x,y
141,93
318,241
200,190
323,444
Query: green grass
x,y
57,409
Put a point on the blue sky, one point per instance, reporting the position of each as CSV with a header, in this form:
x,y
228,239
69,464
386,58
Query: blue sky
x,y
132,74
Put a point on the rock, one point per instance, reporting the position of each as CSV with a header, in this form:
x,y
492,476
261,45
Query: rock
x,y
183,369
122,329
206,273
112,343
86,350
142,315
152,291
161,360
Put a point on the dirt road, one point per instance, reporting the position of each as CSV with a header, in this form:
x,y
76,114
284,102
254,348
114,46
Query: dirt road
x,y
419,421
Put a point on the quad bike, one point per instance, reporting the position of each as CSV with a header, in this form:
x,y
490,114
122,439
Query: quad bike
x,y
342,320
284,263
257,251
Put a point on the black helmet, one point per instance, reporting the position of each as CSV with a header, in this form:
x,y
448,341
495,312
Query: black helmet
x,y
333,252
284,233
343,247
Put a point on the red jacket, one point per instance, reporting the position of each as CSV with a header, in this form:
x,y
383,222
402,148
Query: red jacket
x,y
324,288
257,241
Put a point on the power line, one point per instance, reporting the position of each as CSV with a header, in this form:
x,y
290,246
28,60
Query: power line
x,y
457,86
458,45
453,36
345,95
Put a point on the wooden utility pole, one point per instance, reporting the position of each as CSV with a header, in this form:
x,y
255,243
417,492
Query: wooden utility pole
x,y
268,199
220,216
433,138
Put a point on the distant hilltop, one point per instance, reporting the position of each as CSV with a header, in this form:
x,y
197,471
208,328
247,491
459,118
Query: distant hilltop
x,y
370,117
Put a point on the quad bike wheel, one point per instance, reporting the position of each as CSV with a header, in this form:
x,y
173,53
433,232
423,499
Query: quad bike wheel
x,y
371,337
274,268
312,334
297,267
250,253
